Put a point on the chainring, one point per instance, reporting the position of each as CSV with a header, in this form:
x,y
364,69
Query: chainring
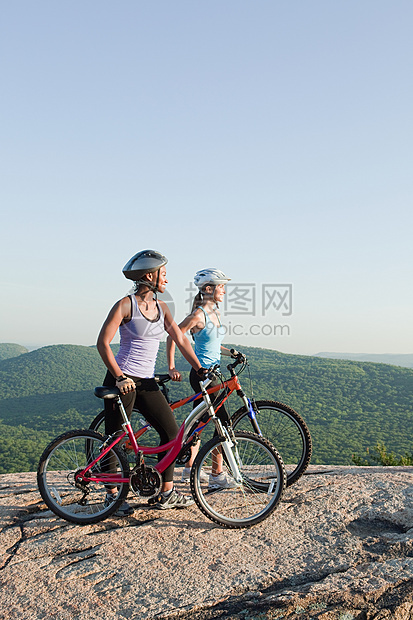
x,y
145,481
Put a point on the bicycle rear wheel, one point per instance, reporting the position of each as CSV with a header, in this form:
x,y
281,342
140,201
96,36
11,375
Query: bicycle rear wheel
x,y
79,503
259,493
285,429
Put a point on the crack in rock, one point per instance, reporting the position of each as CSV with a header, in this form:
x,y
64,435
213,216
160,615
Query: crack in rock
x,y
104,527
67,573
12,551
77,552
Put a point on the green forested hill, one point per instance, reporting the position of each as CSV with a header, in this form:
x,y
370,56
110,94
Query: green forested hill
x,y
9,349
402,359
50,369
348,406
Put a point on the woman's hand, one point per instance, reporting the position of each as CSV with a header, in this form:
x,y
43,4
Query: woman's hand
x,y
202,373
125,384
175,374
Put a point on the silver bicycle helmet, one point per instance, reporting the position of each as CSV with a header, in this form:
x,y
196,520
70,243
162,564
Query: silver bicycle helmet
x,y
146,261
210,276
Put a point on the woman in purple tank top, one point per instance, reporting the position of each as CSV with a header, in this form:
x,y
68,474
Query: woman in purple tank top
x,y
142,321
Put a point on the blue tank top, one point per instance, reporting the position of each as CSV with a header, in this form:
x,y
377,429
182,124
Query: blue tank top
x,y
208,342
139,343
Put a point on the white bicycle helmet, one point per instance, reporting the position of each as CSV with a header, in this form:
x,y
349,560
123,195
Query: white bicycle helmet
x,y
146,261
210,276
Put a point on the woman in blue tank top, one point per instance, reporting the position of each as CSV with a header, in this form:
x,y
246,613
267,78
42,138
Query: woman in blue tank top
x,y
204,323
142,320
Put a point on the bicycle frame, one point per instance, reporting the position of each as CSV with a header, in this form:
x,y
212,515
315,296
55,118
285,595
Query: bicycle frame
x,y
228,386
172,448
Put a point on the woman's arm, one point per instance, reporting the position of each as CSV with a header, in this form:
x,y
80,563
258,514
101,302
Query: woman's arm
x,y
170,358
177,335
191,321
109,328
225,351
170,352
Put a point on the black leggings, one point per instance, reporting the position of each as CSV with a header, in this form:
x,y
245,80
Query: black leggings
x,y
152,405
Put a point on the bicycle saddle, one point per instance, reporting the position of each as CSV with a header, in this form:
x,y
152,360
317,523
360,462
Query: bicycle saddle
x,y
107,392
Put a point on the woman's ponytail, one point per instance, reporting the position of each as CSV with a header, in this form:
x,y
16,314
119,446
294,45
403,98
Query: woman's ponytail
x,y
197,301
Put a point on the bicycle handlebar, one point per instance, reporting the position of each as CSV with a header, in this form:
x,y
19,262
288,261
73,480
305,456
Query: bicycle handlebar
x,y
212,371
162,378
240,358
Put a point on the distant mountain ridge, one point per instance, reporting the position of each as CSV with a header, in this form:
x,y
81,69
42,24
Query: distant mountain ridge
x,y
396,359
348,406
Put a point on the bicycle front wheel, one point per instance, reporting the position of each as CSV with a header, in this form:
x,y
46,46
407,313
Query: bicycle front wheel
x,y
84,502
252,500
285,429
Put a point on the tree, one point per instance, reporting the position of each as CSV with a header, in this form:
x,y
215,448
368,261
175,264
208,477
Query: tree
x,y
381,456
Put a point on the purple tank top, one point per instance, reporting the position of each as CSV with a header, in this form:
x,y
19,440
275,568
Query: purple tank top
x,y
139,343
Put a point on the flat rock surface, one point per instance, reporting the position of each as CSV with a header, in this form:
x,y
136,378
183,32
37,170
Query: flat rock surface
x,y
339,547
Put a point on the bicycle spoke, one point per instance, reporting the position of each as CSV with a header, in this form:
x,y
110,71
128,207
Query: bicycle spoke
x,y
67,455
285,429
255,497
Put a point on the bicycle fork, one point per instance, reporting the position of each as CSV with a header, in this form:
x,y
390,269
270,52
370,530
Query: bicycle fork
x,y
252,415
229,448
227,445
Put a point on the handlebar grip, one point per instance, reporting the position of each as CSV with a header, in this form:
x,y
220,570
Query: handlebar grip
x,y
162,378
211,372
240,358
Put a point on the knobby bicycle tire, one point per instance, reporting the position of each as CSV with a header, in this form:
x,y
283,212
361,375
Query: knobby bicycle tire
x,y
98,423
259,493
285,429
62,458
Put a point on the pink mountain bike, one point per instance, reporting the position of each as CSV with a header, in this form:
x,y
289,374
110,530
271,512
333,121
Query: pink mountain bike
x,y
77,467
279,423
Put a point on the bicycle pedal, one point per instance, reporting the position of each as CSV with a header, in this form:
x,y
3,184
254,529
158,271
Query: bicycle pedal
x,y
153,500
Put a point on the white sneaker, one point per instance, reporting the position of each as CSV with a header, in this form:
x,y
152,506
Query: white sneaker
x,y
173,500
203,477
186,474
221,481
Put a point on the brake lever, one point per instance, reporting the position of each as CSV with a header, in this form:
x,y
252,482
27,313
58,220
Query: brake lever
x,y
213,371
239,358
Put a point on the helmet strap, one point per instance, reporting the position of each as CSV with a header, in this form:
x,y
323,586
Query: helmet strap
x,y
158,273
151,287
148,285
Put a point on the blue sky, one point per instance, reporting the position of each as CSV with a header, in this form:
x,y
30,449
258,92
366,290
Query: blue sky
x,y
272,140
